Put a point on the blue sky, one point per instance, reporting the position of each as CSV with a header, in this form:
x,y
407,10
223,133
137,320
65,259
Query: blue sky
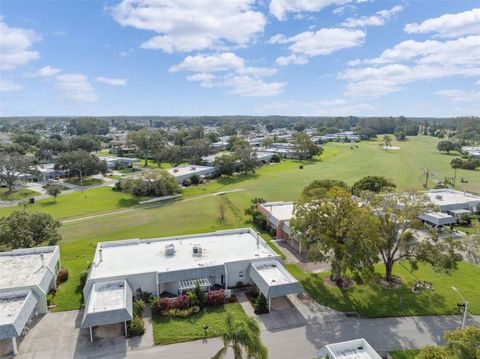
x,y
205,57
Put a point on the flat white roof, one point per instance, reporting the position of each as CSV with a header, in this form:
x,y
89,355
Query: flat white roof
x,y
282,211
10,305
107,296
442,197
190,169
120,258
273,273
24,267
353,349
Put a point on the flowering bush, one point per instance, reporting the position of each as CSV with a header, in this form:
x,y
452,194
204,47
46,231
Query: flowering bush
x,y
162,304
215,298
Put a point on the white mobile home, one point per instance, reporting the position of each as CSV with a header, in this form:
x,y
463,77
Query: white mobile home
x,y
172,265
352,349
186,172
27,275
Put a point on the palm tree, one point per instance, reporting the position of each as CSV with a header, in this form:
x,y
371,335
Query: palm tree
x,y
242,336
456,163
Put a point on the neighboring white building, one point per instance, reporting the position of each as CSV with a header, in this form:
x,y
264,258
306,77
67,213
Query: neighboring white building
x,y
185,172
352,349
115,163
473,151
174,264
451,204
26,277
278,215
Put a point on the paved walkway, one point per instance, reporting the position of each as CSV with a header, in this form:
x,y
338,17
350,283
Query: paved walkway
x,y
296,331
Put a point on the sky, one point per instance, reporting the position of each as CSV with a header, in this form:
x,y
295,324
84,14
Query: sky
x,y
240,57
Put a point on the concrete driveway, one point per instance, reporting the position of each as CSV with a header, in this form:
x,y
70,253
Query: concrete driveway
x,y
58,335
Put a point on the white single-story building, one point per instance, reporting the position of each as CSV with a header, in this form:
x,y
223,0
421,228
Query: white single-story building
x,y
473,151
352,349
451,204
48,172
26,277
116,163
173,265
278,215
186,172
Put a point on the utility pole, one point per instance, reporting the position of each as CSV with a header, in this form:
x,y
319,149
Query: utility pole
x,y
427,174
465,310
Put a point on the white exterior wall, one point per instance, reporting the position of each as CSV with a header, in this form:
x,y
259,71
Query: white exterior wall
x,y
233,271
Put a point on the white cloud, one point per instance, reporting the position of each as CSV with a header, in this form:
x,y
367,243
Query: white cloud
x,y
15,44
378,19
241,79
291,59
6,86
111,81
449,25
322,42
412,61
327,107
280,8
76,87
252,86
464,51
192,25
46,71
460,95
210,63
205,80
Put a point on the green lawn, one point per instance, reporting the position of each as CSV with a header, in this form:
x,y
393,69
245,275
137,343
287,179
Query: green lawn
x,y
90,201
377,301
87,181
19,194
404,354
168,330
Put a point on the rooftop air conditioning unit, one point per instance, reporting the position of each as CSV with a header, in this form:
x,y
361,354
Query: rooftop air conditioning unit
x,y
197,250
175,170
193,168
439,197
169,250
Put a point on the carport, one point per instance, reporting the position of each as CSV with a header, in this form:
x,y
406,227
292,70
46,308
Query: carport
x,y
108,303
273,280
16,309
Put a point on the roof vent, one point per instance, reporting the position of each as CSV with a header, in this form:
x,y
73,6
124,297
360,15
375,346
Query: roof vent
x,y
193,168
169,250
439,197
42,256
197,250
175,170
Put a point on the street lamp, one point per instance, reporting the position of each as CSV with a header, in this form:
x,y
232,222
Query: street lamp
x,y
465,310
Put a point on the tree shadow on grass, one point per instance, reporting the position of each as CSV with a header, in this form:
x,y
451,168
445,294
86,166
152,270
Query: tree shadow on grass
x,y
128,202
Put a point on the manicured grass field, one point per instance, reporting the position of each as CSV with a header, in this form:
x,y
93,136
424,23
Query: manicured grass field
x,y
371,300
81,203
19,194
404,354
167,330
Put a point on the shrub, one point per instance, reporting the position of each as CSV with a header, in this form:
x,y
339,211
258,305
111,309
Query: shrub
x,y
136,327
275,158
138,308
200,295
83,279
62,275
144,296
156,184
470,165
182,313
192,298
260,306
50,299
215,298
180,302
186,182
194,179
239,284
117,187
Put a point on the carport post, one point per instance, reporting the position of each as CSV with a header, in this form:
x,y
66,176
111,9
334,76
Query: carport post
x,y
125,323
14,345
91,335
269,303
